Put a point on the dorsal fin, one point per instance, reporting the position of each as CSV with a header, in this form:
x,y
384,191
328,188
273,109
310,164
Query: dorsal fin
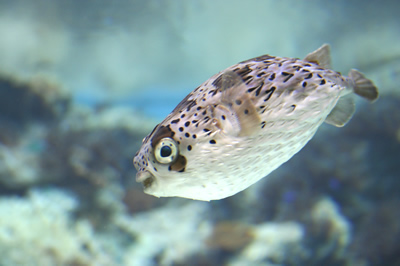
x,y
321,56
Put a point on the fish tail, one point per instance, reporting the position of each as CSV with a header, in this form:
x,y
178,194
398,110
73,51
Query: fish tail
x,y
363,86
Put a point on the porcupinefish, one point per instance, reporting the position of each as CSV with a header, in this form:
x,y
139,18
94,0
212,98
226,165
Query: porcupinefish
x,y
243,123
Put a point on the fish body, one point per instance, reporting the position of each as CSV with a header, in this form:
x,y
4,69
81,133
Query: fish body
x,y
243,123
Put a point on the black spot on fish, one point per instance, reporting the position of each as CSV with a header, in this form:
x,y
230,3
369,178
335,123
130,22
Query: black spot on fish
x,y
287,75
251,89
175,121
322,82
248,79
189,148
218,82
197,89
198,108
181,129
263,123
269,93
213,141
309,76
155,169
307,65
194,121
190,105
185,103
194,136
223,117
293,107
206,130
183,115
187,123
242,72
259,75
238,102
187,135
272,77
319,76
259,89
246,112
296,67
304,84
204,112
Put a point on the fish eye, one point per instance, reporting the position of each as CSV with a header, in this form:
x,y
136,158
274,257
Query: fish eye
x,y
166,151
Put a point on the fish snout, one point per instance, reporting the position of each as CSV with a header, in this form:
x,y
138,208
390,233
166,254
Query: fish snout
x,y
145,178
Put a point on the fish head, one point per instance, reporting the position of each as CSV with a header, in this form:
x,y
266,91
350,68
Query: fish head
x,y
186,161
197,151
162,163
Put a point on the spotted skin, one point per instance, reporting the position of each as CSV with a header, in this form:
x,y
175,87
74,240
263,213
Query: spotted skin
x,y
243,123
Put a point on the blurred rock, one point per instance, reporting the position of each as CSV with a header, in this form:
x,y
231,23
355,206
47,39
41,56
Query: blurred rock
x,y
230,236
26,102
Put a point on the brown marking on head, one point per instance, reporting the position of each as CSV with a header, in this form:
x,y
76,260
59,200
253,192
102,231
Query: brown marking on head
x,y
179,165
161,132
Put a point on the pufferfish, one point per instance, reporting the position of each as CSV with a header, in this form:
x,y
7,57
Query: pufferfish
x,y
243,123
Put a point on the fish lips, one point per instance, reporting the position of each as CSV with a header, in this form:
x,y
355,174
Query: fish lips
x,y
145,178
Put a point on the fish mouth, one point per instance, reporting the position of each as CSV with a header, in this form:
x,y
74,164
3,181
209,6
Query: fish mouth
x,y
145,178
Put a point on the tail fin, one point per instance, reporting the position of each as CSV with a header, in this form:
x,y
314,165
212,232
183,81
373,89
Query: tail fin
x,y
363,86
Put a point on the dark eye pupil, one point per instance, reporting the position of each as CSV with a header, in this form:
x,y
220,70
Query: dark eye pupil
x,y
166,151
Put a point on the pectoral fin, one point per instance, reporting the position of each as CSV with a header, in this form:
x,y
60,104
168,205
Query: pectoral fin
x,y
236,102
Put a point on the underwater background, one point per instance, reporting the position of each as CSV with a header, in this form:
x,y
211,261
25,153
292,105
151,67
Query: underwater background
x,y
82,82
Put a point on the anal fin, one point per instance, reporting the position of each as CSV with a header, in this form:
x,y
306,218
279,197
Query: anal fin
x,y
342,112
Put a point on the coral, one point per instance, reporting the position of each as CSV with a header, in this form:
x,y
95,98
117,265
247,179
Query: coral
x,y
35,100
40,231
168,235
328,232
27,109
272,244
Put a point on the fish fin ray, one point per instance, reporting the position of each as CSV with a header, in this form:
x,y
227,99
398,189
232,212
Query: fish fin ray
x,y
225,120
321,56
363,87
342,112
248,117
